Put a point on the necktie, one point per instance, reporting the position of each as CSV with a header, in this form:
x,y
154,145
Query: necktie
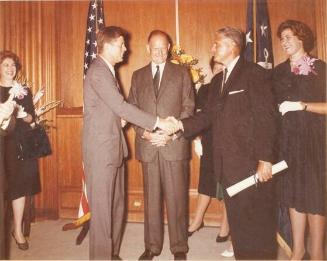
x,y
224,80
156,80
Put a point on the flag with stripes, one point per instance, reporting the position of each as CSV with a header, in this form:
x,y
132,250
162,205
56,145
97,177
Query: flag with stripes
x,y
95,22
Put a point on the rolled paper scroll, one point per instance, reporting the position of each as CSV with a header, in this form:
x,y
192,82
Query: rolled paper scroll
x,y
250,181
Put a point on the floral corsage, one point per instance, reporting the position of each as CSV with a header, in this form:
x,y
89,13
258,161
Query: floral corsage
x,y
18,91
304,66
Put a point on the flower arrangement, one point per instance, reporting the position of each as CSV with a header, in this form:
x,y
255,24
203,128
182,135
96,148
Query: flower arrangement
x,y
40,110
304,66
178,56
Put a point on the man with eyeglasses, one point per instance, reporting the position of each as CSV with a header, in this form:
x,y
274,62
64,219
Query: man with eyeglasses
x,y
162,88
104,145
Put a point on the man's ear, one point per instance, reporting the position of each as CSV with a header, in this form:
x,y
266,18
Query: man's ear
x,y
148,48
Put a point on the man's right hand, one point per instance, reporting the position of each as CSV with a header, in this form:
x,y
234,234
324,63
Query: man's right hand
x,y
169,125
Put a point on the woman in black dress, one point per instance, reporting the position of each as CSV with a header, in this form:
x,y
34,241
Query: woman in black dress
x,y
5,112
300,87
22,175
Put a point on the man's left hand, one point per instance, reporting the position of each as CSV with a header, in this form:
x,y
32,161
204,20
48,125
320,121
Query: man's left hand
x,y
160,138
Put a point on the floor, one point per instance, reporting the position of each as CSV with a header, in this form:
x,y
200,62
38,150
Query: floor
x,y
48,241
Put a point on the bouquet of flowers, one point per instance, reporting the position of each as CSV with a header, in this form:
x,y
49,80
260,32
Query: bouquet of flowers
x,y
40,110
179,56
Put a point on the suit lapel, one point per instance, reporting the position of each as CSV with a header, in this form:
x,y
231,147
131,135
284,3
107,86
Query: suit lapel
x,y
167,75
148,81
113,77
234,76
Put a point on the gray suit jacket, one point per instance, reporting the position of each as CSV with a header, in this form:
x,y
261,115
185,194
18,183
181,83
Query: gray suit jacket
x,y
175,98
104,106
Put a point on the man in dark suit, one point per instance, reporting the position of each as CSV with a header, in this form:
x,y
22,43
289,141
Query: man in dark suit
x,y
240,110
104,146
162,88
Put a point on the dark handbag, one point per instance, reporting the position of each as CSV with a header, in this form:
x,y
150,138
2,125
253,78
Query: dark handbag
x,y
33,144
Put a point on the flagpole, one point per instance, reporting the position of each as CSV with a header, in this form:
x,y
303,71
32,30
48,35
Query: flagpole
x,y
255,31
177,22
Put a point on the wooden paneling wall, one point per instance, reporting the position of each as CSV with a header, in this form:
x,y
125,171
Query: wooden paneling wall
x,y
49,37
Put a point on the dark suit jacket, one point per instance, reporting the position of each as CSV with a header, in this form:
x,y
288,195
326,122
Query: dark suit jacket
x,y
175,98
104,106
242,119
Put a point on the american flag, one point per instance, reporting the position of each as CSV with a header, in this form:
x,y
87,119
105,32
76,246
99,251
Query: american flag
x,y
95,22
258,35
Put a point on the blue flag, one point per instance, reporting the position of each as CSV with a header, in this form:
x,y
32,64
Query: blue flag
x,y
95,22
249,53
261,40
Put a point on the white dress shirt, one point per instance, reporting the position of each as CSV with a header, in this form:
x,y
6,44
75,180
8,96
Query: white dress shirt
x,y
154,70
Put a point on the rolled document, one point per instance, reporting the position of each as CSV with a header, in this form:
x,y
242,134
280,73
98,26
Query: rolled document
x,y
250,181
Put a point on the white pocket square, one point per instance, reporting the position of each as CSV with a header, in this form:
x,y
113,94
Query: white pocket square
x,y
233,92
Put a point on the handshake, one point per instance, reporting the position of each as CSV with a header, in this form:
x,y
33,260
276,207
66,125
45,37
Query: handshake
x,y
170,125
160,138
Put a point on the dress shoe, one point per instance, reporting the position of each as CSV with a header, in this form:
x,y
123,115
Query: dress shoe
x,y
116,257
220,239
180,256
227,253
21,246
191,233
147,255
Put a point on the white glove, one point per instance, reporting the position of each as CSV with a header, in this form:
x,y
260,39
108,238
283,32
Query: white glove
x,y
7,108
287,106
198,147
38,96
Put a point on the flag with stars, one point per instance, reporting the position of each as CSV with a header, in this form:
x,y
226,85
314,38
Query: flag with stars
x,y
95,22
260,39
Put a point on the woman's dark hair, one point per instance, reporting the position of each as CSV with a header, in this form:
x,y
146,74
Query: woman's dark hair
x,y
9,54
299,29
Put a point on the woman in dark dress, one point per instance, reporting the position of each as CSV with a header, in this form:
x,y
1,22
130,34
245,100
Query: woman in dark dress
x,y
300,87
22,175
5,112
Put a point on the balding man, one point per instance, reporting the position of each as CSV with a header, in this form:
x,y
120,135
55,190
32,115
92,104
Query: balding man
x,y
162,88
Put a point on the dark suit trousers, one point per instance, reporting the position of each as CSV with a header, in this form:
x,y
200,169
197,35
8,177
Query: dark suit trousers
x,y
253,222
166,180
105,188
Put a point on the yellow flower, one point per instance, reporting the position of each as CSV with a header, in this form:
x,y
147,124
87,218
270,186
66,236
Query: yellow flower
x,y
175,61
178,56
195,75
186,58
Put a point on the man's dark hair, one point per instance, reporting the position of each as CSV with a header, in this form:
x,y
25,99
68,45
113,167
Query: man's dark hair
x,y
299,29
108,34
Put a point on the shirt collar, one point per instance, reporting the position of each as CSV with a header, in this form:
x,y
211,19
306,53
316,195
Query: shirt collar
x,y
231,66
111,68
154,67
